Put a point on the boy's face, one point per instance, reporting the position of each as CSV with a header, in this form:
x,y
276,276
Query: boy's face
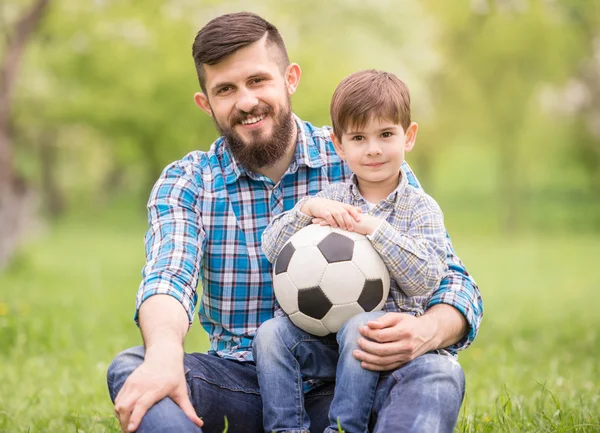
x,y
375,152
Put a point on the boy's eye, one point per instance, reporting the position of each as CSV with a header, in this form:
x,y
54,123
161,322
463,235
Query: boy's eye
x,y
358,138
386,134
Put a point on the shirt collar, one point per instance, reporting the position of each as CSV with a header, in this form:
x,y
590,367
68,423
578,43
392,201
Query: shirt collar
x,y
392,198
307,153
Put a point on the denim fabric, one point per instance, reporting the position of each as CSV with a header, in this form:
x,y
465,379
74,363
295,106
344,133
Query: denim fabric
x,y
218,388
285,355
423,396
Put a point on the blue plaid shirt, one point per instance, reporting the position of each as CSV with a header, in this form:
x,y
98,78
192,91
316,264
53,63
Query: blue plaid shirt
x,y
207,214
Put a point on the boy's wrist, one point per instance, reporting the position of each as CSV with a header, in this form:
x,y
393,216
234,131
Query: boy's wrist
x,y
305,208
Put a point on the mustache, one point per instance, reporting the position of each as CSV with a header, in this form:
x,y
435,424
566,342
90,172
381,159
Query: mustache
x,y
257,111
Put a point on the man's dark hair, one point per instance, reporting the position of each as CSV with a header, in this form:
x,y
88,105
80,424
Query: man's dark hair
x,y
226,34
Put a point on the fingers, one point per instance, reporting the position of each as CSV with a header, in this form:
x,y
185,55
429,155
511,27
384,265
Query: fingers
x,y
139,410
354,212
385,335
183,401
375,367
388,320
377,362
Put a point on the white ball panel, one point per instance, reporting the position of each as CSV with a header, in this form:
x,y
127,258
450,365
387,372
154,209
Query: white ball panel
x,y
306,267
339,314
342,282
368,260
310,235
286,293
309,324
386,283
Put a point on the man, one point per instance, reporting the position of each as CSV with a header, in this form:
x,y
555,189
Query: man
x,y
206,215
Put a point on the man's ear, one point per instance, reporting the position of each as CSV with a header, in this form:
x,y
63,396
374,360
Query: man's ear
x,y
410,136
202,101
338,146
292,77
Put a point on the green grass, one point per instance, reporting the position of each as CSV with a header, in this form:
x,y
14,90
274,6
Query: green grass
x,y
66,309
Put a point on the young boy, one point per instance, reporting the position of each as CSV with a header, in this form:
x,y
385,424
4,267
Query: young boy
x,y
372,129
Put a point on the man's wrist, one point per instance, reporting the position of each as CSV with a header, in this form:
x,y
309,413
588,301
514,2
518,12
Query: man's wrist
x,y
430,331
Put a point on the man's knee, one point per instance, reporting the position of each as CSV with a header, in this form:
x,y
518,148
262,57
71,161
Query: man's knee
x,y
121,367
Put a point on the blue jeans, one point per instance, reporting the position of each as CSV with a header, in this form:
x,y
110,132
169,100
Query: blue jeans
x,y
285,354
422,396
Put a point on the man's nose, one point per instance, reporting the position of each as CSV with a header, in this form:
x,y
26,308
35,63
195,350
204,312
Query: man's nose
x,y
246,101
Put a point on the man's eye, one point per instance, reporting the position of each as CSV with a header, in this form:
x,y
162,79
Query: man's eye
x,y
224,89
258,80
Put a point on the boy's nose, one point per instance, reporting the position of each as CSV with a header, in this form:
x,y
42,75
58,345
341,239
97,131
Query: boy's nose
x,y
374,149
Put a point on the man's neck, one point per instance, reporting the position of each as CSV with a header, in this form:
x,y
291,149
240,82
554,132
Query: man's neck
x,y
277,170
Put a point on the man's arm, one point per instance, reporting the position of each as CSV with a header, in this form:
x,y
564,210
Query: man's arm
x,y
281,229
398,338
164,324
166,298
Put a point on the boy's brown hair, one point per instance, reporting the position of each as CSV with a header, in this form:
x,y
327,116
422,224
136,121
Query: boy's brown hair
x,y
226,34
367,94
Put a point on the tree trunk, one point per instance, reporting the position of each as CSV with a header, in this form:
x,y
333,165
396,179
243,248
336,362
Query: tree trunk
x,y
16,205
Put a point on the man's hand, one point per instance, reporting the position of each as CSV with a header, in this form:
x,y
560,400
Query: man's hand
x,y
157,377
397,339
333,213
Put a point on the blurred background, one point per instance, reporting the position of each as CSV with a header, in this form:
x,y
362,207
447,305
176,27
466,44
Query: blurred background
x,y
96,99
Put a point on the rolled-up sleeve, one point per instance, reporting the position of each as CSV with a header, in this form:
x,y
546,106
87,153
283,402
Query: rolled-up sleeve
x,y
460,290
174,240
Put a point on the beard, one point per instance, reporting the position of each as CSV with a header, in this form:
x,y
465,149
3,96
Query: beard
x,y
262,150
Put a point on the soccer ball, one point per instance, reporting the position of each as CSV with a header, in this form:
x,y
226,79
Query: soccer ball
x,y
323,276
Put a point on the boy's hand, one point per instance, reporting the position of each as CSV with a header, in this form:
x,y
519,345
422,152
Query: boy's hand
x,y
332,212
365,226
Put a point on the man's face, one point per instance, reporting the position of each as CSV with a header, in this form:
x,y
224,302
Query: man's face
x,y
248,97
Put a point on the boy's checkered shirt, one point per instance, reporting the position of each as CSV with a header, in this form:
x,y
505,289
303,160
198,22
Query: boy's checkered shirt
x,y
207,214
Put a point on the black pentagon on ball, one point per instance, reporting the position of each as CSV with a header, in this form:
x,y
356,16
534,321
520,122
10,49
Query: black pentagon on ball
x,y
371,295
336,248
313,302
284,258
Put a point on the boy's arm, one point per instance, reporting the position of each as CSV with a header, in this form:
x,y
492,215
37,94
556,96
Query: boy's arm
x,y
283,226
415,259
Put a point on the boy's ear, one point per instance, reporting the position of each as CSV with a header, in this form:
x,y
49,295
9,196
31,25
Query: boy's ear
x,y
338,146
410,136
202,101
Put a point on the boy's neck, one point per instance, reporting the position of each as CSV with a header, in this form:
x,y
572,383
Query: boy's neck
x,y
375,192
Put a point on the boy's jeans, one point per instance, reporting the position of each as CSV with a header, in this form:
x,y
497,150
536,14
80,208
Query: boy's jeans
x,y
285,354
422,396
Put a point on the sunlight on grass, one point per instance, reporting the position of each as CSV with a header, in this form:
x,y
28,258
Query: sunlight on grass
x,y
66,309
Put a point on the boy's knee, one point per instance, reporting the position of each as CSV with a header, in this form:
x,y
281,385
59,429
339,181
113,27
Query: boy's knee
x,y
349,330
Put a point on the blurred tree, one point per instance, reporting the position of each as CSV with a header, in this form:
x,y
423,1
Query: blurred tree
x,y
496,61
15,200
